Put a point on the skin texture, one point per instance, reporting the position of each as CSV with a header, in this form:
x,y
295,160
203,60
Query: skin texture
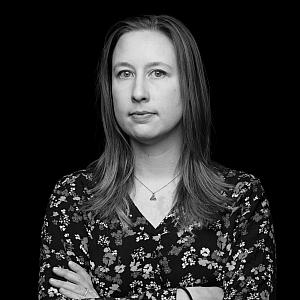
x,y
145,78
78,280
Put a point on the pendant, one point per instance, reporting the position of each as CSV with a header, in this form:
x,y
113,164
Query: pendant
x,y
153,198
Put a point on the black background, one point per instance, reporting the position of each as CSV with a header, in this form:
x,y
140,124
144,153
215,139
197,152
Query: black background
x,y
55,52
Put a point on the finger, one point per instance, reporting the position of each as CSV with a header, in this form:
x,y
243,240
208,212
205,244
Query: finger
x,y
67,274
79,270
66,285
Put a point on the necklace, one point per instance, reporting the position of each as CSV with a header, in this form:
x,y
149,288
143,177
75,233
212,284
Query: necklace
x,y
153,198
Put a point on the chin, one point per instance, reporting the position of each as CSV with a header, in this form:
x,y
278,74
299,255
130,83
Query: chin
x,y
150,137
147,140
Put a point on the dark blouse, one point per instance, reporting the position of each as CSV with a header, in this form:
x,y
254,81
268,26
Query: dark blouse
x,y
236,252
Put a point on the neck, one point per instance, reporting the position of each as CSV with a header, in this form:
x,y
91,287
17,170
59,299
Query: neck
x,y
156,161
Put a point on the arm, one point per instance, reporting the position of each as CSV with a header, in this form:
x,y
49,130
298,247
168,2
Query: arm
x,y
79,286
76,283
63,237
250,270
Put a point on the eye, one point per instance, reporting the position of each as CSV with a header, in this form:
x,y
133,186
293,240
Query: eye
x,y
124,74
158,73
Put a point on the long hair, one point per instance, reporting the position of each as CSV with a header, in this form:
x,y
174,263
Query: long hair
x,y
199,195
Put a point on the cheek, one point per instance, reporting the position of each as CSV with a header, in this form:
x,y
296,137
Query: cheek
x,y
177,106
120,111
119,115
172,110
174,91
120,98
174,101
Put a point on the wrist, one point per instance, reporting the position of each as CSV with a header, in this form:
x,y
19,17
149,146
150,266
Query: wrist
x,y
183,294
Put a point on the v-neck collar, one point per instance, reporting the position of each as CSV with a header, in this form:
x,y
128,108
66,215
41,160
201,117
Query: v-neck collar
x,y
151,228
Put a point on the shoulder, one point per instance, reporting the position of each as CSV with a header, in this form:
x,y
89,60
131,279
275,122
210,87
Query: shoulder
x,y
246,190
72,189
241,181
63,216
77,180
250,208
249,214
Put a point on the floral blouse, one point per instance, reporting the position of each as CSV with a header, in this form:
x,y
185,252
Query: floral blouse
x,y
236,252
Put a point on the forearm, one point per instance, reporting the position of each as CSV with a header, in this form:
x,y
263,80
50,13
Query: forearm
x,y
166,294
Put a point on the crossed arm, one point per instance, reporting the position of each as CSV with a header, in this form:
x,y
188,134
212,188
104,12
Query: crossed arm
x,y
79,286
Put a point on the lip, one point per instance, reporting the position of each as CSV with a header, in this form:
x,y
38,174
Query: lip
x,y
142,112
142,117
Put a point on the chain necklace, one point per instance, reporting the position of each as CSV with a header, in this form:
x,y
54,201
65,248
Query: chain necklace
x,y
153,198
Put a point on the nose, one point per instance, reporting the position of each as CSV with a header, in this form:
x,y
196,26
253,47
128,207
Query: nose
x,y
139,90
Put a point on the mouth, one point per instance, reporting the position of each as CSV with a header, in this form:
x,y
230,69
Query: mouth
x,y
142,117
141,113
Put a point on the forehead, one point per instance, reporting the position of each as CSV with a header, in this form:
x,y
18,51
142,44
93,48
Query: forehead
x,y
144,46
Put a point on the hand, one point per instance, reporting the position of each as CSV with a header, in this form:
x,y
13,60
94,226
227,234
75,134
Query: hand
x,y
79,284
203,293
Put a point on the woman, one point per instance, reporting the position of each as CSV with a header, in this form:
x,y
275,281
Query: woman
x,y
154,217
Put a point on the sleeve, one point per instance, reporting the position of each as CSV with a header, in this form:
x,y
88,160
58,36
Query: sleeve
x,y
250,270
166,294
63,236
160,294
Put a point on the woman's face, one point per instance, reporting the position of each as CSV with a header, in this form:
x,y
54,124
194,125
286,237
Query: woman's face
x,y
145,86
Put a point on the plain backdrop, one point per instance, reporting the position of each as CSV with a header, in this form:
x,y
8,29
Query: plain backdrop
x,y
56,51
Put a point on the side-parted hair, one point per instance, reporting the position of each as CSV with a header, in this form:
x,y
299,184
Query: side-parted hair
x,y
199,196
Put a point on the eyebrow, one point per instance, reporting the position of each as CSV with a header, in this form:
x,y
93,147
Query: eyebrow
x,y
149,65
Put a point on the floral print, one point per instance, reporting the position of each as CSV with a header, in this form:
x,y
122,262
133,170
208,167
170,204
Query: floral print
x,y
236,252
